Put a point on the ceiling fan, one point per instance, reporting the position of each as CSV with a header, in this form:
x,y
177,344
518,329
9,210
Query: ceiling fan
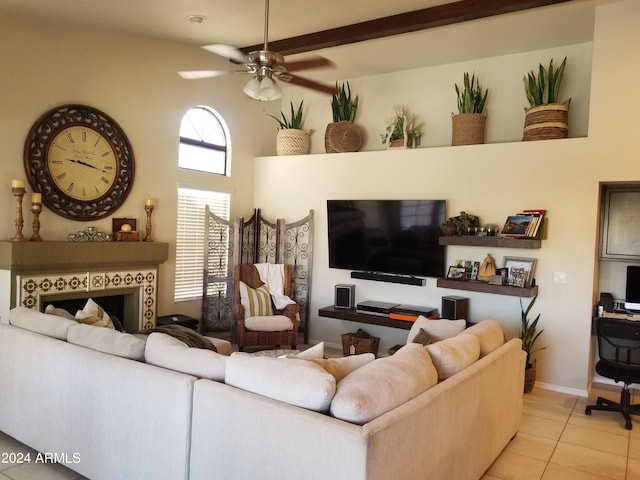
x,y
265,68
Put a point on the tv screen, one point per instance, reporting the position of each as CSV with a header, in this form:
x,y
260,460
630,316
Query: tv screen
x,y
388,236
632,291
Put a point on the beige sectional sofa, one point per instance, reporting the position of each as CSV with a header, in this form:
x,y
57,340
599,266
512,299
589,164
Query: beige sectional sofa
x,y
129,419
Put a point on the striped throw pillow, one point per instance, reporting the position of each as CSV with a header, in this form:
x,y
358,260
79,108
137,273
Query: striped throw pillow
x,y
256,301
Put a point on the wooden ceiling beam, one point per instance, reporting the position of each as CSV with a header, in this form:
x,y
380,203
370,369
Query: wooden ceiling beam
x,y
446,14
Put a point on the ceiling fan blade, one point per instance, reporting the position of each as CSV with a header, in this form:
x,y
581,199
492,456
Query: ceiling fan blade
x,y
232,53
306,83
309,62
197,74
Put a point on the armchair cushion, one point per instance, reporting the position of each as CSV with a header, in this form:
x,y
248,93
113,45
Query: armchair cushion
x,y
256,301
268,323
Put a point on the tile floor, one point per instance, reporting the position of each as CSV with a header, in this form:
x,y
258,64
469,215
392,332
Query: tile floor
x,y
556,441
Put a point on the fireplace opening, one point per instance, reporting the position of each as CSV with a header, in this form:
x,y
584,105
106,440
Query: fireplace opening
x,y
122,307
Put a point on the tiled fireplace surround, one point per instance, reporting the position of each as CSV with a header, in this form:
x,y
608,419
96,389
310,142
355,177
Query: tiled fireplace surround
x,y
34,272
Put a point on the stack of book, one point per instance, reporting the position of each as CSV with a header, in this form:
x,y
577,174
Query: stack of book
x,y
526,224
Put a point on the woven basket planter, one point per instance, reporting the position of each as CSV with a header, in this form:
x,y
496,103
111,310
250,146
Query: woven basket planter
x,y
343,137
359,342
529,378
468,128
547,122
291,141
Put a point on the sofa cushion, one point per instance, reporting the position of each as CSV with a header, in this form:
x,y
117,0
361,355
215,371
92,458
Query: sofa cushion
x,y
490,335
454,354
437,329
383,384
268,323
342,366
166,351
45,324
290,380
106,340
256,301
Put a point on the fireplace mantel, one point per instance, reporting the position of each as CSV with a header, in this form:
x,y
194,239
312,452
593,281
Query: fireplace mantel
x,y
33,271
58,256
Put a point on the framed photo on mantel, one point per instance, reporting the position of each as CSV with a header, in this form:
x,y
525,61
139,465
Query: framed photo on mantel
x,y
520,271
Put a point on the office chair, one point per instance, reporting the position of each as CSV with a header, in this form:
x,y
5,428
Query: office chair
x,y
619,350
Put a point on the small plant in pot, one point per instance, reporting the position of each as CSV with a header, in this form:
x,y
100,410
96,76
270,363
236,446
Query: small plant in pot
x,y
343,135
548,117
402,131
464,224
292,139
529,334
468,126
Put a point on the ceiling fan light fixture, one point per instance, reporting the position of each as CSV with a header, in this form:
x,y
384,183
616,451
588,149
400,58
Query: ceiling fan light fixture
x,y
252,88
269,89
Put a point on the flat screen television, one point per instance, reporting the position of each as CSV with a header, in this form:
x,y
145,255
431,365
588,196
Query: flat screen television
x,y
632,290
387,236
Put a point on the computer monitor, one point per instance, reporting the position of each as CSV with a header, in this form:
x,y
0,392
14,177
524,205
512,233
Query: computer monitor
x,y
632,291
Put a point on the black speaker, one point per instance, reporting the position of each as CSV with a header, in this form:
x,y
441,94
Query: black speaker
x,y
344,296
454,308
606,302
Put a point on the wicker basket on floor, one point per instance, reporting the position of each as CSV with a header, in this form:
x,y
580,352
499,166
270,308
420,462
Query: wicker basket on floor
x,y
359,342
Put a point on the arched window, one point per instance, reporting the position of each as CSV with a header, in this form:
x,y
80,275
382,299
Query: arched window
x,y
203,142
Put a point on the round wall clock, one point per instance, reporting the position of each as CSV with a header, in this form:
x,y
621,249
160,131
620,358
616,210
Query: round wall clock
x,y
81,162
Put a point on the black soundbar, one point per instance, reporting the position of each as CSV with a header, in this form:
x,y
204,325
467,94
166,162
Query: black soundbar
x,y
389,277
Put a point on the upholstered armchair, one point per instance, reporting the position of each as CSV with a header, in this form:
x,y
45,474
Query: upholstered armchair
x,y
258,321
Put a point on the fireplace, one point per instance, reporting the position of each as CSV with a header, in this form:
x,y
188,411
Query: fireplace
x,y
38,273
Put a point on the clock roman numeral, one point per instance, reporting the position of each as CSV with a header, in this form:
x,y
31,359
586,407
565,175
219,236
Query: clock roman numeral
x,y
61,176
84,136
70,187
70,137
106,153
105,180
61,148
56,162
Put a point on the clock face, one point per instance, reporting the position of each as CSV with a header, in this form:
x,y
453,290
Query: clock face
x,y
81,162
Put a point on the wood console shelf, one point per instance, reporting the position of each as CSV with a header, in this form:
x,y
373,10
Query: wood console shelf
x,y
501,242
477,286
351,315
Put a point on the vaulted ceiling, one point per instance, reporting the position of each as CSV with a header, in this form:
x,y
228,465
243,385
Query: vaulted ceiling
x,y
362,37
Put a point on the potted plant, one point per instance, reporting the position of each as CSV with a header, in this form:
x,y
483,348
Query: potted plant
x,y
291,138
465,224
529,334
343,135
402,131
547,118
469,124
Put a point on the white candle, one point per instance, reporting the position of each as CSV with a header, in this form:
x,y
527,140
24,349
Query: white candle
x,y
36,197
17,183
149,202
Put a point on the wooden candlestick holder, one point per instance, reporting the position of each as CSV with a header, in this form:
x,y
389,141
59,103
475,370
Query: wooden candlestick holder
x,y
36,208
18,194
149,210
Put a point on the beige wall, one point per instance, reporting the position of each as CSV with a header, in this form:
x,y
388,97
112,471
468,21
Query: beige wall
x,y
491,180
133,80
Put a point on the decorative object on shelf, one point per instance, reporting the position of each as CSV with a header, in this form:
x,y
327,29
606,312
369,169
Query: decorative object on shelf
x,y
526,224
18,191
81,161
292,139
487,268
529,335
124,230
402,130
456,273
343,135
449,229
465,223
89,234
36,208
468,126
148,208
547,118
521,271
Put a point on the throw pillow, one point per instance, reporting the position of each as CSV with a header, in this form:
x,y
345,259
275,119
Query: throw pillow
x,y
343,366
290,380
45,324
108,341
454,354
384,384
165,351
317,351
423,338
437,329
60,312
256,301
93,314
490,335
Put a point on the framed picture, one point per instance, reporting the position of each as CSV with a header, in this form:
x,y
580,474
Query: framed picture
x,y
520,270
456,273
516,225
